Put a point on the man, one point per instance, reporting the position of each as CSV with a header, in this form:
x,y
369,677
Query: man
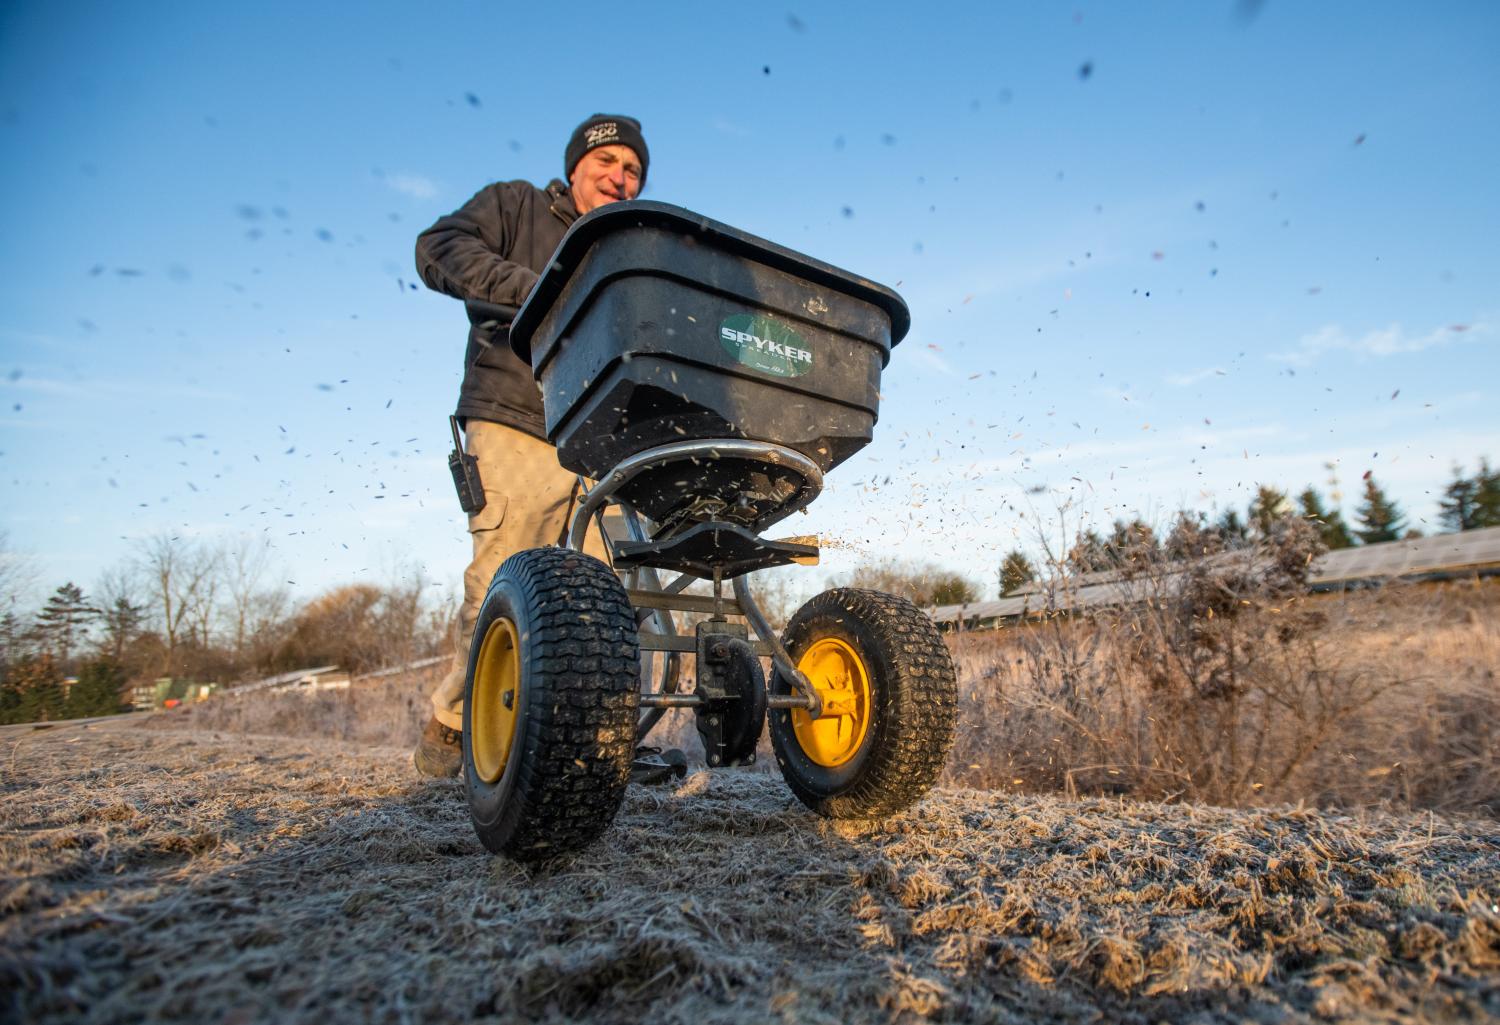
x,y
490,253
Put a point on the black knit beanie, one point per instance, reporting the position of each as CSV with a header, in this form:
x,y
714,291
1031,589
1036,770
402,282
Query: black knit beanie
x,y
606,130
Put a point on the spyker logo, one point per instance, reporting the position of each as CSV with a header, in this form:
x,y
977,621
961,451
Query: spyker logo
x,y
762,344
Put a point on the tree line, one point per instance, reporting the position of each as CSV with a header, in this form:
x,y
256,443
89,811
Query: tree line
x,y
196,610
1469,502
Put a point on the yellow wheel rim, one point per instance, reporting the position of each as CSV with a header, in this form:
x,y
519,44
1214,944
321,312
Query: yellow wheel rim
x,y
839,676
496,698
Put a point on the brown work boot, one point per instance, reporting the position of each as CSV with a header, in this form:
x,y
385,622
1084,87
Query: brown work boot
x,y
440,752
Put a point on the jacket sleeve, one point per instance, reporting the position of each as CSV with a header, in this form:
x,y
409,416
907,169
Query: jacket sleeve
x,y
464,254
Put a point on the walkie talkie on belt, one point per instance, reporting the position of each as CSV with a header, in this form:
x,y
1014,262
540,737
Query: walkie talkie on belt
x,y
465,470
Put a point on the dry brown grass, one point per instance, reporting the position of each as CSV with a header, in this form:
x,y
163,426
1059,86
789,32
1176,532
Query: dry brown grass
x,y
174,875
1385,697
384,711
275,857
1381,697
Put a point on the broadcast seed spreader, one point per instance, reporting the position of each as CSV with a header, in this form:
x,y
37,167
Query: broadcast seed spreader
x,y
706,379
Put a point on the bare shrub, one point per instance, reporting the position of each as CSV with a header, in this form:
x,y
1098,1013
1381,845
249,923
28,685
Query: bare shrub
x,y
387,710
1239,694
1217,678
923,584
362,627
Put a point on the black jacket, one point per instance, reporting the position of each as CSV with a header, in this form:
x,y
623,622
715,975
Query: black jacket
x,y
489,253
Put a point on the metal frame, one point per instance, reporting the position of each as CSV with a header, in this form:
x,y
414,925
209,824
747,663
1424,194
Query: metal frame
x,y
654,601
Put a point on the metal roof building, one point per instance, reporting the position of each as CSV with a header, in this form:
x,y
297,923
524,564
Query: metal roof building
x,y
1443,556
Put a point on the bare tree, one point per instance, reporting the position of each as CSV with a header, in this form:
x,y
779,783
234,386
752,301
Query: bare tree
x,y
245,564
178,573
200,617
17,576
267,627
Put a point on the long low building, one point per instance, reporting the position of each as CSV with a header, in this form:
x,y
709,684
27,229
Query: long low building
x,y
1441,557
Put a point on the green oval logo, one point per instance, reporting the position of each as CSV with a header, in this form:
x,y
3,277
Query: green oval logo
x,y
762,344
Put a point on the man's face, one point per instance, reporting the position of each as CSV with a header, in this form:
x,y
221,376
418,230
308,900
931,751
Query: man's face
x,y
604,175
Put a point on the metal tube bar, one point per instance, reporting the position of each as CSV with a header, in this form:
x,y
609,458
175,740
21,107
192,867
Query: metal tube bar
x,y
667,642
671,663
687,644
656,599
662,702
779,657
682,583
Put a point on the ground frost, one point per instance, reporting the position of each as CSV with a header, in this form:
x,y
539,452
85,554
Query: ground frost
x,y
182,876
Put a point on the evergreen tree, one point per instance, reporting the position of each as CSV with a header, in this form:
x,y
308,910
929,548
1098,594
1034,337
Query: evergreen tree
x,y
953,589
12,637
1229,527
1015,571
1089,553
1331,526
10,698
1191,537
1269,505
1457,508
63,620
33,691
1131,545
1133,536
97,691
1487,496
1379,518
122,622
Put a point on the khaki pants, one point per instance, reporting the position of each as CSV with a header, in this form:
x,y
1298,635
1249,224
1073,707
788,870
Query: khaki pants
x,y
527,505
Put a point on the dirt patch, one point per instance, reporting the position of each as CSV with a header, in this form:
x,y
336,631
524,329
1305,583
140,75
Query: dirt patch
x,y
192,876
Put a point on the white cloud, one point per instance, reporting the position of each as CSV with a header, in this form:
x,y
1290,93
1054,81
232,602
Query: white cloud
x,y
1121,395
724,126
96,387
1389,341
415,185
11,334
1138,445
929,355
1194,376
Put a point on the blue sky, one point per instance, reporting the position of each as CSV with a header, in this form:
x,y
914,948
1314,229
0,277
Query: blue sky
x,y
1155,253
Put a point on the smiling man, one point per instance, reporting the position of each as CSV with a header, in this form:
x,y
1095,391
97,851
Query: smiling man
x,y
489,253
